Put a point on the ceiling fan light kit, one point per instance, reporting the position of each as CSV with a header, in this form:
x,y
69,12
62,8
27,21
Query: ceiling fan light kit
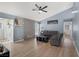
x,y
75,11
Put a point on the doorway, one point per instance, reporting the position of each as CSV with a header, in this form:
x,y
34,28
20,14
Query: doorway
x,y
68,28
68,41
37,28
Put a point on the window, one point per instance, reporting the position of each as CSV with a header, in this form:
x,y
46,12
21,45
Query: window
x,y
52,22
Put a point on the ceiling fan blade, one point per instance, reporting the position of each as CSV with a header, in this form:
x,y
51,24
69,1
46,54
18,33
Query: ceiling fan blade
x,y
43,10
37,6
44,7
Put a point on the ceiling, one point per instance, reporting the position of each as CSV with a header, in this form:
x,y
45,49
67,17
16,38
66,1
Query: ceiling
x,y
24,9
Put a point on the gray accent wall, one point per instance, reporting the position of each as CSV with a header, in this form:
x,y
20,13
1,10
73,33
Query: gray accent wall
x,y
65,15
29,28
8,16
24,31
18,33
76,26
19,30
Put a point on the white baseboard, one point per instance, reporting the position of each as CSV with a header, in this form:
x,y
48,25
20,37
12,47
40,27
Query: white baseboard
x,y
19,40
76,48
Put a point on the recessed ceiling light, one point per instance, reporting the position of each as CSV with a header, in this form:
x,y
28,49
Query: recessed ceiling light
x,y
75,11
1,18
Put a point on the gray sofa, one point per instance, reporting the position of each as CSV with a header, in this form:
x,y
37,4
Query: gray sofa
x,y
56,39
46,35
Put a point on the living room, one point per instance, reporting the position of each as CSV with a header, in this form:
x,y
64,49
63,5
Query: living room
x,y
45,29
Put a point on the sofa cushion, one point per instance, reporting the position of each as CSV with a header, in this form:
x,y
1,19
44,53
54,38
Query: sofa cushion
x,y
49,33
56,39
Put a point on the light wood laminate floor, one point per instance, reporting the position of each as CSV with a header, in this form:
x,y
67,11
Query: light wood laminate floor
x,y
33,48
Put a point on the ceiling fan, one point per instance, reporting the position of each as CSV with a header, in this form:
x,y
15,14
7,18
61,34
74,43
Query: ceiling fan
x,y
40,8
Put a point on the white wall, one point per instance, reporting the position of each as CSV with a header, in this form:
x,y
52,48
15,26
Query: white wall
x,y
1,30
76,26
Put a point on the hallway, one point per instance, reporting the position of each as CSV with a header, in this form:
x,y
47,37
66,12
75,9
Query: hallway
x,y
69,49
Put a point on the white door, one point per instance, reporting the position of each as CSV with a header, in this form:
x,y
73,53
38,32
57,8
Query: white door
x,y
37,28
1,31
9,29
6,29
68,28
